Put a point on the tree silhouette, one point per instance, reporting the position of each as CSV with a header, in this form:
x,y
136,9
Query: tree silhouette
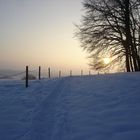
x,y
112,26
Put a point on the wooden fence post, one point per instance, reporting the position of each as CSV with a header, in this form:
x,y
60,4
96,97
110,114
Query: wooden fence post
x,y
81,72
27,76
70,72
39,73
49,73
89,73
59,73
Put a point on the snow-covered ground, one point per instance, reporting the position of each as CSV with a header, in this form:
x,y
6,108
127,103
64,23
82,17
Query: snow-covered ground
x,y
102,107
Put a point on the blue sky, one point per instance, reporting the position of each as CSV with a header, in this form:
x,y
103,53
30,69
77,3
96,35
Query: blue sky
x,y
40,32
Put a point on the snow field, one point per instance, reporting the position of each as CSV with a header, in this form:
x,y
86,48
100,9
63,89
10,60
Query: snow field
x,y
102,107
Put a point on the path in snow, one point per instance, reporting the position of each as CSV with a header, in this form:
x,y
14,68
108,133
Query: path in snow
x,y
80,109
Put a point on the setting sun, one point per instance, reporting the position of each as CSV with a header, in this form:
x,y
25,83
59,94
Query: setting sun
x,y
106,60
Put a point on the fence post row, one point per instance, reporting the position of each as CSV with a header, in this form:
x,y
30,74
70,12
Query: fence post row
x,y
49,74
27,76
39,74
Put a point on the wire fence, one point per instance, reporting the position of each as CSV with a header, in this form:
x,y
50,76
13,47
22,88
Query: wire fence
x,y
35,74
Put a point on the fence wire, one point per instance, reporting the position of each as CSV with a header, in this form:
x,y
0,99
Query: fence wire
x,y
37,73
12,76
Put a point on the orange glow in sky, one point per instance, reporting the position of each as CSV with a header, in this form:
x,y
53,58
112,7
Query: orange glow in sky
x,y
40,33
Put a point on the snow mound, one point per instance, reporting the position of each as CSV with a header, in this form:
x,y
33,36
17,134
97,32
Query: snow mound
x,y
102,107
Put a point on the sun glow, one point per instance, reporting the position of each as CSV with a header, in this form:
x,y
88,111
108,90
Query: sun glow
x,y
106,60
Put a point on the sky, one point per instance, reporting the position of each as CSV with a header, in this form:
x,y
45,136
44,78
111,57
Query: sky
x,y
40,32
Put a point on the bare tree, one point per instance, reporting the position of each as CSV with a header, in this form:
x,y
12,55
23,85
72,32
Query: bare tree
x,y
112,26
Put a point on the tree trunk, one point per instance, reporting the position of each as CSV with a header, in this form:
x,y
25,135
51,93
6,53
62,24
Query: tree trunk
x,y
128,33
131,63
127,61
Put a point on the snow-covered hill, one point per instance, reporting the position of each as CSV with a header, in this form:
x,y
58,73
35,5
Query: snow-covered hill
x,y
102,107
